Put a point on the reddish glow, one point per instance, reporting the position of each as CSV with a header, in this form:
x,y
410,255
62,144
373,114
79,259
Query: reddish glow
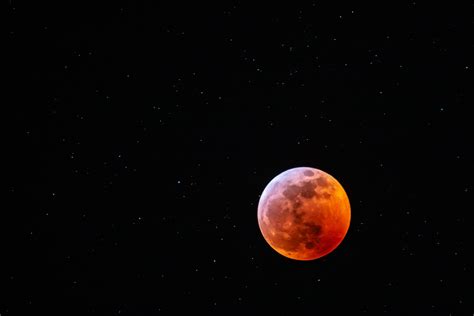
x,y
304,213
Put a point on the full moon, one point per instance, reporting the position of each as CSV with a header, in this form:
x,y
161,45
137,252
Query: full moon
x,y
304,213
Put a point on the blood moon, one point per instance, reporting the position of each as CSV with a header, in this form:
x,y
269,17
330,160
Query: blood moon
x,y
304,213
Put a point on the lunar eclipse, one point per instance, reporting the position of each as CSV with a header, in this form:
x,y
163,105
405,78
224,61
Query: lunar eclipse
x,y
304,213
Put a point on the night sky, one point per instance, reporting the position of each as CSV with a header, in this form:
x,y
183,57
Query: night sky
x,y
140,136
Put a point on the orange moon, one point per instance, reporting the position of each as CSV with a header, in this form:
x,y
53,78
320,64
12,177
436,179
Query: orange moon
x,y
304,213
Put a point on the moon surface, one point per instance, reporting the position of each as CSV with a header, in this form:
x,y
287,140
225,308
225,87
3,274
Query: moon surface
x,y
304,213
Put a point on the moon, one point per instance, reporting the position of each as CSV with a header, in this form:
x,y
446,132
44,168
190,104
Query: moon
x,y
304,213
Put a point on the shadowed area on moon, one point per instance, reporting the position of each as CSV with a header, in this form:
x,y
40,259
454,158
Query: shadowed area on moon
x,y
294,212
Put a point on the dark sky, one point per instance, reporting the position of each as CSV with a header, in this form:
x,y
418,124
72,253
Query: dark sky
x,y
142,134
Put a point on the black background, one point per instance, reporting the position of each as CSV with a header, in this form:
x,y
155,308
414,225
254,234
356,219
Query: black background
x,y
143,133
